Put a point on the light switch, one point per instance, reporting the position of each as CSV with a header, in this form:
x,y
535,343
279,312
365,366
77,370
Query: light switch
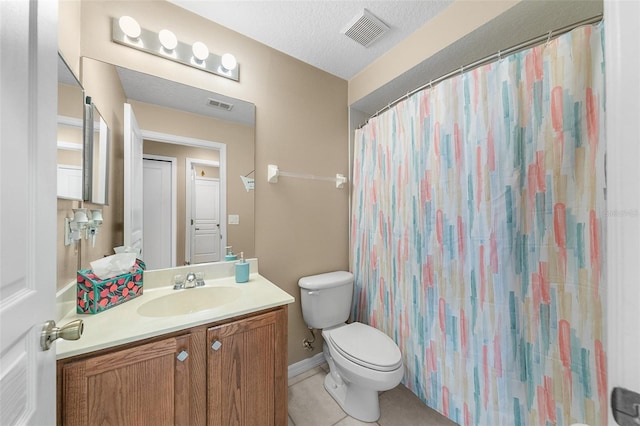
x,y
234,219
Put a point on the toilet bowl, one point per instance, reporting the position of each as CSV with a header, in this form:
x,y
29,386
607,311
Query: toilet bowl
x,y
362,359
362,362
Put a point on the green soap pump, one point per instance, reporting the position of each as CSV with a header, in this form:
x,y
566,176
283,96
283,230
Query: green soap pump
x,y
230,256
242,269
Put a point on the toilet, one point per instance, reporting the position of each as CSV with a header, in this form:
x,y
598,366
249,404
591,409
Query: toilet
x,y
362,360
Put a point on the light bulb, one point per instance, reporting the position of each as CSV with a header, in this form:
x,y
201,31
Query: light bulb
x,y
229,61
168,39
200,50
130,27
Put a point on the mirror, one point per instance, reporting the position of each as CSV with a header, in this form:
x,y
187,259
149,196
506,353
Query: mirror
x,y
83,142
203,143
70,133
96,156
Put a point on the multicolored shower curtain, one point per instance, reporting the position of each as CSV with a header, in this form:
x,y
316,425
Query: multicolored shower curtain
x,y
477,237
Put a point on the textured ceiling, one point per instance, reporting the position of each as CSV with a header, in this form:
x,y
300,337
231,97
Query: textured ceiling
x,y
311,31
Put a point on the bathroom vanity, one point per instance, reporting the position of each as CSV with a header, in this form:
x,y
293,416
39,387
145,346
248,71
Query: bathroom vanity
x,y
226,365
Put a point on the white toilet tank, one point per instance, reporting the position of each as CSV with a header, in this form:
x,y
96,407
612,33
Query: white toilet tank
x,y
326,298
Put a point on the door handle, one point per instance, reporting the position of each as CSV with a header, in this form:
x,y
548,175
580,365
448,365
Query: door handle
x,y
69,331
625,407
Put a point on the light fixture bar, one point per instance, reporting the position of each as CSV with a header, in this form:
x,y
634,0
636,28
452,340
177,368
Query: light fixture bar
x,y
149,42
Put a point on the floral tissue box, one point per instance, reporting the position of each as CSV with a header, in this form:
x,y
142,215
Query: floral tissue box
x,y
95,295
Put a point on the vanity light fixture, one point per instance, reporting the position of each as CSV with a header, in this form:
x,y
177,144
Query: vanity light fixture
x,y
229,62
127,32
129,27
168,40
200,51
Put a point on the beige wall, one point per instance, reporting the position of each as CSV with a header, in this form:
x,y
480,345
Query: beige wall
x,y
301,227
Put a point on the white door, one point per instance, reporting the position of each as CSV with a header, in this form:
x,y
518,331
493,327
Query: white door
x,y
158,218
28,40
133,201
622,49
206,220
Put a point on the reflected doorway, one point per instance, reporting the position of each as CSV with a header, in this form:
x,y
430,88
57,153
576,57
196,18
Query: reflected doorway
x,y
159,211
203,211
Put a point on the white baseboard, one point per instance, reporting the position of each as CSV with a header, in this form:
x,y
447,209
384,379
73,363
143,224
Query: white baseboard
x,y
306,364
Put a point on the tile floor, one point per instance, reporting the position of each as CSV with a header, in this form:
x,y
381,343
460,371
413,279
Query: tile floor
x,y
311,405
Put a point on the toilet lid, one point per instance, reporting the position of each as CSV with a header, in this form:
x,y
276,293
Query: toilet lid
x,y
366,346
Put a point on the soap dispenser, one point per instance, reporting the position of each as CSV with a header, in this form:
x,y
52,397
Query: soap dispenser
x,y
230,256
242,269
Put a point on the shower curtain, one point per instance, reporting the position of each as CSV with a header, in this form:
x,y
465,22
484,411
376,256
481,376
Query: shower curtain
x,y
477,237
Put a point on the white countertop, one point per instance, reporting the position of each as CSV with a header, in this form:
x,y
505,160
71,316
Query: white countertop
x,y
122,324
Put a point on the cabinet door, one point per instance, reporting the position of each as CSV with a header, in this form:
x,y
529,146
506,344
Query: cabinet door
x,y
144,385
245,372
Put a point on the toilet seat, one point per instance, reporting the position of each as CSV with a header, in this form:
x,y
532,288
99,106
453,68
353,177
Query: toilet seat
x,y
365,346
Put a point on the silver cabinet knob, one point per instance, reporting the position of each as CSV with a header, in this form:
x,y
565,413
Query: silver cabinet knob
x,y
216,345
182,355
70,331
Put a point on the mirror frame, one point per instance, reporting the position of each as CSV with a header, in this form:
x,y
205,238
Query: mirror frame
x,y
79,123
93,146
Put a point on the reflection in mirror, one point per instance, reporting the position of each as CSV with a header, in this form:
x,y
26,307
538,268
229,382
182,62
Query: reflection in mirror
x,y
96,156
70,136
183,130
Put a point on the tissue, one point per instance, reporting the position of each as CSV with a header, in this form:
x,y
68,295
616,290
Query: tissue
x,y
111,266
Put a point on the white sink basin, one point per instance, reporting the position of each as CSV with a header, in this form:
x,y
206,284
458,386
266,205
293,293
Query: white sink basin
x,y
189,301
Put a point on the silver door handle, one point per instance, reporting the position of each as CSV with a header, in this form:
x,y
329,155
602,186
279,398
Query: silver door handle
x,y
69,331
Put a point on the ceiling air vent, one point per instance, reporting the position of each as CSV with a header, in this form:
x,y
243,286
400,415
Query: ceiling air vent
x,y
365,28
215,103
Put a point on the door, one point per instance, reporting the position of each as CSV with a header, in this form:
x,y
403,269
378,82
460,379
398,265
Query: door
x,y
206,220
622,38
133,190
28,40
242,372
148,384
158,214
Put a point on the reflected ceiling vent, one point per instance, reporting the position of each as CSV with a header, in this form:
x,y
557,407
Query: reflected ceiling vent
x,y
216,103
365,28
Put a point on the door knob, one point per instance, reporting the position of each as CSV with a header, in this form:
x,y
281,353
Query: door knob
x,y
216,345
69,331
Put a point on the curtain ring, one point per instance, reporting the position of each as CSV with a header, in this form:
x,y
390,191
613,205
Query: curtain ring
x,y
462,70
549,38
430,85
499,55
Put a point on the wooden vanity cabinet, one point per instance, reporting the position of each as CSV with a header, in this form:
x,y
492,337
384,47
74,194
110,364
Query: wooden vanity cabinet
x,y
142,385
240,380
246,372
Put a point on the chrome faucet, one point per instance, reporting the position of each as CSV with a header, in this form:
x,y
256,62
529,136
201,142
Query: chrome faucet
x,y
191,281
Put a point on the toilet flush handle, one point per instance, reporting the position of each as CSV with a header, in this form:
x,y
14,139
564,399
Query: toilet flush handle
x,y
313,293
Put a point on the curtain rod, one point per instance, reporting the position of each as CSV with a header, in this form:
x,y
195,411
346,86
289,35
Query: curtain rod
x,y
498,55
